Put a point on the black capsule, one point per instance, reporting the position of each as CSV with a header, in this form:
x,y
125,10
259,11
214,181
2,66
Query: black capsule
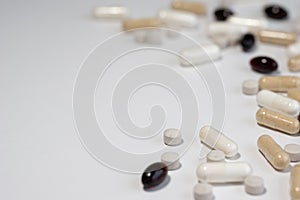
x,y
248,42
263,64
221,14
154,175
276,12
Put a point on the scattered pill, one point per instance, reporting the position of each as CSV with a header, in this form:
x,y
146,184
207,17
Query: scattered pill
x,y
172,137
263,64
294,93
254,185
221,14
215,156
110,12
250,22
130,24
295,182
250,87
189,6
279,83
276,12
276,156
203,191
171,159
248,42
277,37
278,102
154,175
294,151
226,29
293,49
178,18
294,63
217,140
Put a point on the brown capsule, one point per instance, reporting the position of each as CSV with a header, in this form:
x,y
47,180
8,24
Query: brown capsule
x,y
294,63
294,94
189,6
295,182
278,158
141,23
277,37
277,121
279,83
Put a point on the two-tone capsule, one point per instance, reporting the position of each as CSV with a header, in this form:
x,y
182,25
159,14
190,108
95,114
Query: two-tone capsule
x,y
189,6
277,37
279,83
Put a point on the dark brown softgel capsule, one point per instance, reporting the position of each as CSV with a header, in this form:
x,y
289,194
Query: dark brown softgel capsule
x,y
154,175
276,12
263,64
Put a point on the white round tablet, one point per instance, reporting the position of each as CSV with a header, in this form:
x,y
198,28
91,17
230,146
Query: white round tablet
x,y
172,137
171,159
254,185
294,151
203,191
215,156
250,87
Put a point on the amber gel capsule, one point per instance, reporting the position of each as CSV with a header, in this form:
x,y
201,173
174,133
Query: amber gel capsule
x,y
279,83
278,158
295,182
277,121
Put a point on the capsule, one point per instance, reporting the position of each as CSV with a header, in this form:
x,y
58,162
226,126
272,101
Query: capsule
x,y
277,121
189,6
277,37
130,24
217,140
294,94
250,22
110,12
277,157
295,182
294,63
178,18
293,49
223,172
226,29
277,102
279,83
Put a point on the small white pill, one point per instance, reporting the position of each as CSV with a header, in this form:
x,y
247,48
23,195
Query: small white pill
x,y
178,18
254,185
172,137
293,49
278,102
110,12
203,191
171,159
200,55
215,156
250,87
252,23
294,151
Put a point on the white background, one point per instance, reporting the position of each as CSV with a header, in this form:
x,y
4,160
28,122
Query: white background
x,y
43,44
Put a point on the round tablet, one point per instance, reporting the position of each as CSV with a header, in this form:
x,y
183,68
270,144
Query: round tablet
x,y
254,185
171,159
172,137
250,87
203,191
294,151
215,156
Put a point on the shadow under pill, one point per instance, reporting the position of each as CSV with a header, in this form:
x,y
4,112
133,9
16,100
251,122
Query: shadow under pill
x,y
160,186
237,156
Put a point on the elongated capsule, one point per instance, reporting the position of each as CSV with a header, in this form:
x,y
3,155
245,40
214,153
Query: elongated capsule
x,y
130,24
252,23
277,121
293,49
279,83
294,63
178,18
199,55
223,172
111,12
295,182
277,37
189,6
217,140
227,29
277,157
277,102
294,94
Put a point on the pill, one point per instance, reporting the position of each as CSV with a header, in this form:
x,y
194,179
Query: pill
x,y
250,87
154,175
278,102
295,182
279,83
277,121
294,63
217,140
189,6
263,64
203,191
178,18
215,156
276,12
277,37
130,24
172,137
250,22
110,12
254,185
293,49
223,172
294,151
294,94
226,29
199,55
276,156
221,14
248,42
171,159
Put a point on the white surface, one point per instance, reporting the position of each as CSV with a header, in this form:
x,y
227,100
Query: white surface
x,y
43,44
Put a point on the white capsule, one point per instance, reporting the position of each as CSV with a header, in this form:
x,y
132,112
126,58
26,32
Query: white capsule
x,y
200,55
110,12
222,172
252,23
293,49
178,18
226,29
277,102
217,140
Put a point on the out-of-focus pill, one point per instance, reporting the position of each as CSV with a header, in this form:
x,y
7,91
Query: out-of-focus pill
x,y
215,156
217,140
111,12
277,121
254,185
250,87
294,151
248,42
295,182
278,102
276,12
178,18
189,6
221,14
172,137
263,64
223,172
294,94
200,55
294,63
277,37
276,156
293,49
203,191
254,24
279,83
226,29
171,159
130,24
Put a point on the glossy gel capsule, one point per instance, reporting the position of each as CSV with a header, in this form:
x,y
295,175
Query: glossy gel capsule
x,y
295,182
178,18
279,83
223,172
277,37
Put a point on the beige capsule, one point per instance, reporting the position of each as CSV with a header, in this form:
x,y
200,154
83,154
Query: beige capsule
x,y
295,182
278,158
189,6
130,24
294,93
294,63
279,83
277,121
277,37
